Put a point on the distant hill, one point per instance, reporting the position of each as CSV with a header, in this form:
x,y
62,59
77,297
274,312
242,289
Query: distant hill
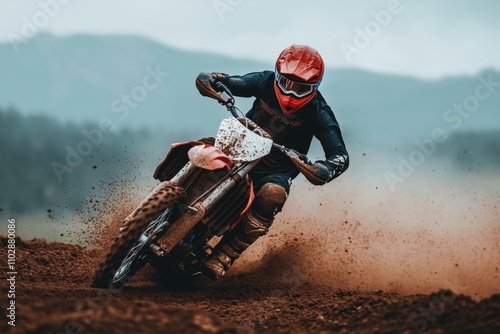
x,y
78,78
36,176
473,150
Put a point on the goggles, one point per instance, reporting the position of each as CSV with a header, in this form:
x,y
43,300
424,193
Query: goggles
x,y
295,88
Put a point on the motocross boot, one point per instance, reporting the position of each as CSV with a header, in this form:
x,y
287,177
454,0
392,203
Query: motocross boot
x,y
269,201
232,245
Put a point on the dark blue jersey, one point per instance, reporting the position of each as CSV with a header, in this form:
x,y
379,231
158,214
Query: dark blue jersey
x,y
295,131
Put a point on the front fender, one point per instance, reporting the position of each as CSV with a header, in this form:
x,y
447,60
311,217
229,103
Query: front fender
x,y
208,157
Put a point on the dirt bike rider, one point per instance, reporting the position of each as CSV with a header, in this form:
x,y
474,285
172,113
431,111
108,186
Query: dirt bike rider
x,y
290,108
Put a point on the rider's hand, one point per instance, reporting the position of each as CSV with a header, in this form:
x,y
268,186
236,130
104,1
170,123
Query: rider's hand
x,y
204,83
317,173
322,172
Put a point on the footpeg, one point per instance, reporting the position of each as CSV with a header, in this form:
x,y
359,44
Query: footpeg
x,y
157,251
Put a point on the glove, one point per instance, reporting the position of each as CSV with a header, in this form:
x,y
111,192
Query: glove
x,y
204,83
317,173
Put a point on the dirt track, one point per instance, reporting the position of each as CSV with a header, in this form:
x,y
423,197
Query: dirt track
x,y
53,296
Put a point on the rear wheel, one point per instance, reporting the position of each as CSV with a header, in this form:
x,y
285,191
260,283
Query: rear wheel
x,y
129,251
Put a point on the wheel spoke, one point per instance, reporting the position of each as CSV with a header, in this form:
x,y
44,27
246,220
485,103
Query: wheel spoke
x,y
134,255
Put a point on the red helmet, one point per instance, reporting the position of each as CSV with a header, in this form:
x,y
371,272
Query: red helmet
x,y
299,71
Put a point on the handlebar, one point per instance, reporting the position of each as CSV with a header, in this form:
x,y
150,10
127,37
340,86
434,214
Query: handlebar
x,y
291,153
228,101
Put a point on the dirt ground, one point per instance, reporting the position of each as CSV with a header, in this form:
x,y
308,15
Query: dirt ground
x,y
53,296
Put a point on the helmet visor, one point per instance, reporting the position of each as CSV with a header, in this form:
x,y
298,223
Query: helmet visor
x,y
297,89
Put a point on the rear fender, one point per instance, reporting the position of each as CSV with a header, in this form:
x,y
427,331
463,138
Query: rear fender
x,y
176,158
201,154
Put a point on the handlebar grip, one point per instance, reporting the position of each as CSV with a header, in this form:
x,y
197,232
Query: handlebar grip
x,y
220,87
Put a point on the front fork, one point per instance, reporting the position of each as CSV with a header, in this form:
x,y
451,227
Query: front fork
x,y
199,207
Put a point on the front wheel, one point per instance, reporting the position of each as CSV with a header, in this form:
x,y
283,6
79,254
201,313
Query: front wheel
x,y
158,201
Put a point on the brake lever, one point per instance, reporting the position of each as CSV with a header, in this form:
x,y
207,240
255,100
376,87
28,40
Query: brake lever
x,y
225,94
228,100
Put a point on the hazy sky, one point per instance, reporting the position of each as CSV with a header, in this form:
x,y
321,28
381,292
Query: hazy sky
x,y
426,38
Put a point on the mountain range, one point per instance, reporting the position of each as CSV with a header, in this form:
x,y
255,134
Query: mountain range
x,y
87,78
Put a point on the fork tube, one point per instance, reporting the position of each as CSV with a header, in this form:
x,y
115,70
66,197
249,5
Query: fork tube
x,y
184,173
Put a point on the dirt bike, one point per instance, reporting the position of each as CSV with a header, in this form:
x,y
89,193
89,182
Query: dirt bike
x,y
204,192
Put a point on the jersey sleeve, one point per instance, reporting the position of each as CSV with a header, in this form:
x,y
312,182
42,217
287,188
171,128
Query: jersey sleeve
x,y
248,85
327,131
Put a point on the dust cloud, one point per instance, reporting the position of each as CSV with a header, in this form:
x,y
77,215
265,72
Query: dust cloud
x,y
432,233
